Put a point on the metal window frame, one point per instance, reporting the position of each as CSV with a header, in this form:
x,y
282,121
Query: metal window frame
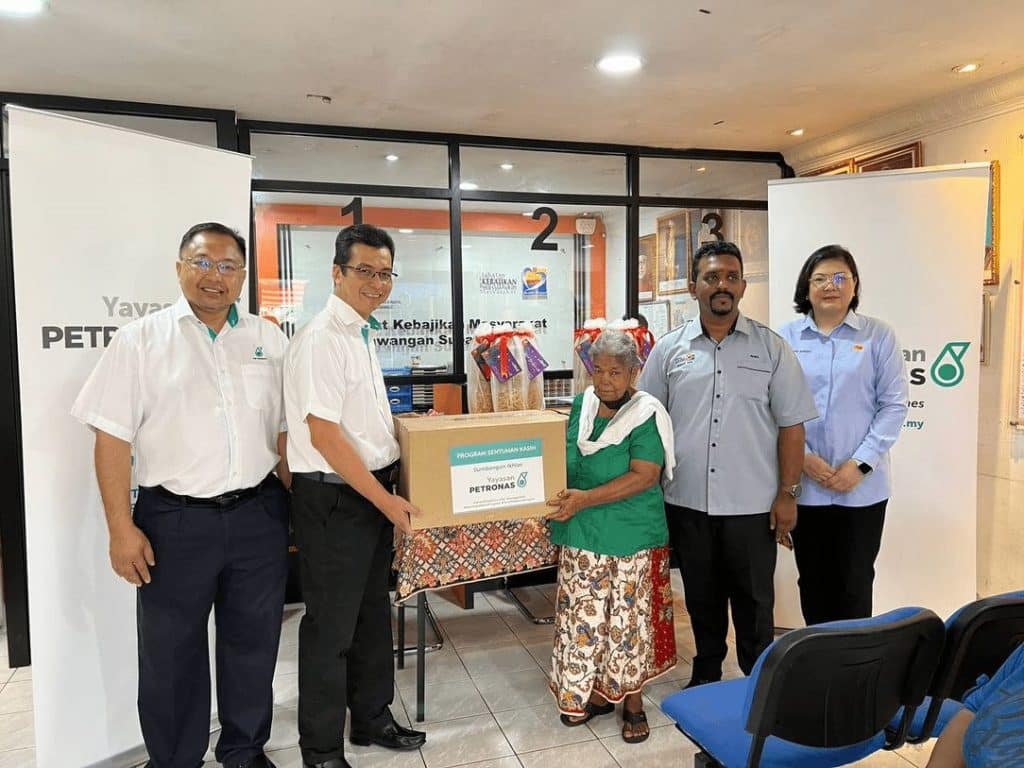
x,y
631,199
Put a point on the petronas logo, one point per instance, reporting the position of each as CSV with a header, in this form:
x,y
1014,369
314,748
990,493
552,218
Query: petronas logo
x,y
948,368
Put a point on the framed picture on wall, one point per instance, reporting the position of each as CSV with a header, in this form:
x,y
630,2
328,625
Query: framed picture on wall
x,y
658,315
648,267
673,253
907,156
752,238
992,227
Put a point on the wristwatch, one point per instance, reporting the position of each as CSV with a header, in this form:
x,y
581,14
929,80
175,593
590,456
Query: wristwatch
x,y
863,467
793,490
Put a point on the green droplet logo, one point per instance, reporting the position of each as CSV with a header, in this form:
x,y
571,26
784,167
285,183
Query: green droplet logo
x,y
948,368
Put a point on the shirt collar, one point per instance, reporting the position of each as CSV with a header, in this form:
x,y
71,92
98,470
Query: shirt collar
x,y
696,327
181,308
348,316
852,319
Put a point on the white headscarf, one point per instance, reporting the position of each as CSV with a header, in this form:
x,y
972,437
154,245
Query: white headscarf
x,y
640,408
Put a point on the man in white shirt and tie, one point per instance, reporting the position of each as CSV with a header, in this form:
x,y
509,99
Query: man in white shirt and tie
x,y
193,394
343,452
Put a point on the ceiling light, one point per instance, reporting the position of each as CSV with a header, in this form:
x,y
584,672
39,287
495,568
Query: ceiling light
x,y
406,231
469,185
620,63
391,158
796,132
506,166
702,169
966,69
22,7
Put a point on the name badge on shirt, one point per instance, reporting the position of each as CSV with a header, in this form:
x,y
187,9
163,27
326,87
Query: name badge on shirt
x,y
688,359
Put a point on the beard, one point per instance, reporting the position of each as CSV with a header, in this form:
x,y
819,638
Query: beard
x,y
718,310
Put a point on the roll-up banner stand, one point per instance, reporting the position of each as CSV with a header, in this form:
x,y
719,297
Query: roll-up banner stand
x,y
97,214
919,240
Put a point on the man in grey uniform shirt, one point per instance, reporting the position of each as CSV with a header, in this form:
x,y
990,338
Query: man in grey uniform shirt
x,y
738,400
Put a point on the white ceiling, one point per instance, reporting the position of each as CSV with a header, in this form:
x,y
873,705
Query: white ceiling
x,y
522,69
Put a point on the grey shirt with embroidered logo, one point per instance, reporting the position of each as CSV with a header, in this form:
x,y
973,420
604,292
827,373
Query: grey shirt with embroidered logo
x,y
727,402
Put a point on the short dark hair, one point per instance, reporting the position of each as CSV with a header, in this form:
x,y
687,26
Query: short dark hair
x,y
217,229
801,302
367,234
715,248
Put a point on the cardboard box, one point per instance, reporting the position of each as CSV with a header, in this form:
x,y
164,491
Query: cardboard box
x,y
482,467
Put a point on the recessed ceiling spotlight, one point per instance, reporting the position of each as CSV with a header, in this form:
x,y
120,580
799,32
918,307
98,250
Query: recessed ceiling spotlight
x,y
469,185
323,99
796,132
405,231
22,7
506,166
966,69
391,158
620,63
702,169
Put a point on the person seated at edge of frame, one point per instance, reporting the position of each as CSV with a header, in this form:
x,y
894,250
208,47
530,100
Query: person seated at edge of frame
x,y
989,730
613,625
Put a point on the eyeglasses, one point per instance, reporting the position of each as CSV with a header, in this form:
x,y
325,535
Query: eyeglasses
x,y
367,274
225,268
837,279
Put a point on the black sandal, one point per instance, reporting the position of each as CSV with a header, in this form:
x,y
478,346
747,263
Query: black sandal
x,y
634,719
590,711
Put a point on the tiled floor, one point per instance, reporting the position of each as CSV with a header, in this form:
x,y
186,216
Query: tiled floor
x,y
487,704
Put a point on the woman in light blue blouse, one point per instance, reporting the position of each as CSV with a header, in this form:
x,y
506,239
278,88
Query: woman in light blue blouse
x,y
854,367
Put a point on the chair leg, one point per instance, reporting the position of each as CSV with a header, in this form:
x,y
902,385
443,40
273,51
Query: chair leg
x,y
704,760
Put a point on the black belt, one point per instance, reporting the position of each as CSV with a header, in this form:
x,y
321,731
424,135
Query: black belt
x,y
228,499
387,476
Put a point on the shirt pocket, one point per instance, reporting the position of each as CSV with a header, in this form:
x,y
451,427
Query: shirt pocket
x,y
752,382
262,388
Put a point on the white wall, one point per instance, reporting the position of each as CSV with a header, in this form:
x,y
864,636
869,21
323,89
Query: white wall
x,y
975,132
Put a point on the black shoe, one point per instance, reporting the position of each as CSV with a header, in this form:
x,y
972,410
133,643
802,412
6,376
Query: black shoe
x,y
260,761
696,681
334,762
392,736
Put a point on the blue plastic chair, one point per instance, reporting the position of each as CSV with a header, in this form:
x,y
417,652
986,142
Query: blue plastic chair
x,y
819,696
979,638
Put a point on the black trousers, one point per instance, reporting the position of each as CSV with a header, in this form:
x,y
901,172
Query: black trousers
x,y
835,550
725,560
232,560
346,657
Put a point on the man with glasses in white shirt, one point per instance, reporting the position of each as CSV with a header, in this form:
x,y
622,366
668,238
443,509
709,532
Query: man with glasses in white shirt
x,y
192,393
343,452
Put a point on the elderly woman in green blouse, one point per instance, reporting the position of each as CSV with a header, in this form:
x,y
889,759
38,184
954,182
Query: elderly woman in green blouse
x,y
614,630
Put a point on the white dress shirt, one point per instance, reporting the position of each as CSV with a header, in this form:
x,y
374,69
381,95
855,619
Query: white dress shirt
x,y
202,414
331,371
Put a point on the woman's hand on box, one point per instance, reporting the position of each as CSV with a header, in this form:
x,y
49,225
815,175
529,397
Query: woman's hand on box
x,y
568,501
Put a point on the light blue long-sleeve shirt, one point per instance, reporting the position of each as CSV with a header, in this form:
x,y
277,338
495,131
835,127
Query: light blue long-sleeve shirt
x,y
859,382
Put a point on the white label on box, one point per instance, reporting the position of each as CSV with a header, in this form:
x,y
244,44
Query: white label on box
x,y
496,476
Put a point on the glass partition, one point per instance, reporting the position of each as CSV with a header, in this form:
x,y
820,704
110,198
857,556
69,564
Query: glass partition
x,y
713,179
517,170
295,236
352,161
